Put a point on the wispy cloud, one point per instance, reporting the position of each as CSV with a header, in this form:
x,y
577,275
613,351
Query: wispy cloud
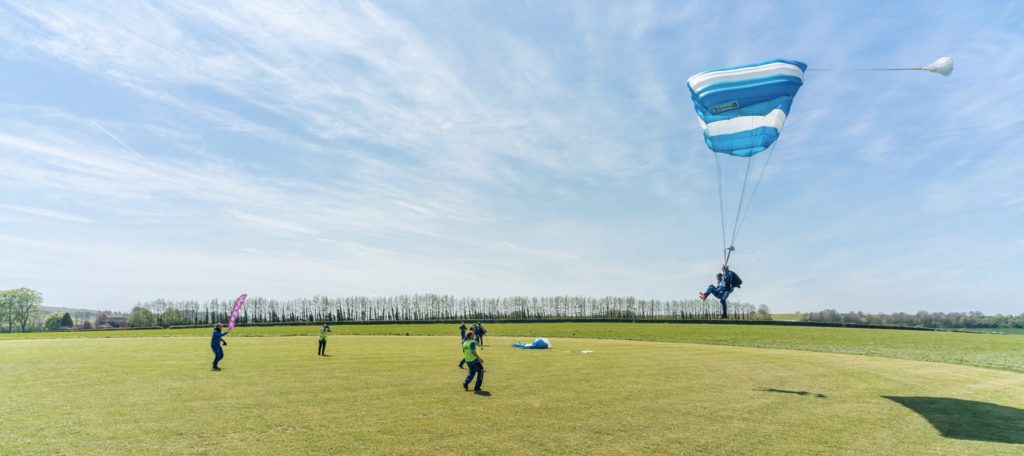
x,y
47,213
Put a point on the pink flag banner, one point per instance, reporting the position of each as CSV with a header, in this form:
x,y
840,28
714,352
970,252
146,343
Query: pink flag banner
x,y
234,311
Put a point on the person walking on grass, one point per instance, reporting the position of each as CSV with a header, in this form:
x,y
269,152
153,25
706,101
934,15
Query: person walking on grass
x,y
462,339
474,361
215,344
322,349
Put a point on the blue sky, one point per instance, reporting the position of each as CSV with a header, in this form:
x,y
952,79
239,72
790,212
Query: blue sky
x,y
199,150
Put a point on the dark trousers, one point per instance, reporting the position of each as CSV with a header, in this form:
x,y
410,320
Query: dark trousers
x,y
475,367
322,349
218,354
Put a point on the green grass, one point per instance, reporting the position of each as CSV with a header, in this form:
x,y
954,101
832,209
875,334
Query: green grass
x,y
993,351
787,317
402,395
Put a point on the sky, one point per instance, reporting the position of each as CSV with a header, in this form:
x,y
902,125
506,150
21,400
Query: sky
x,y
180,150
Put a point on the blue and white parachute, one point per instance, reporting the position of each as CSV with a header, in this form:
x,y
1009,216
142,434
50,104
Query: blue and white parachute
x,y
742,109
538,343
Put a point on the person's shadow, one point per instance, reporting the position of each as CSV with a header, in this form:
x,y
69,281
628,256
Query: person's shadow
x,y
482,393
968,420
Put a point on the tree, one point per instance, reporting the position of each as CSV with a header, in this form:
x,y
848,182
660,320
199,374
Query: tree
x,y
25,303
52,322
173,317
66,321
141,316
7,308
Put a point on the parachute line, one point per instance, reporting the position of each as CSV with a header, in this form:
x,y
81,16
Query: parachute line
x,y
721,201
757,185
941,65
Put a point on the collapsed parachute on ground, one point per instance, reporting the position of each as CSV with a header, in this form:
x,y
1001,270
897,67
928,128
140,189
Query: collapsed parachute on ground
x,y
742,111
538,343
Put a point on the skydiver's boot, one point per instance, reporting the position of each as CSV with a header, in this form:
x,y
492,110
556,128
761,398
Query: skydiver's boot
x,y
703,296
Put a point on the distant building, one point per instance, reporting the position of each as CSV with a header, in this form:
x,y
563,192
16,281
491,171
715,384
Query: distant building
x,y
117,322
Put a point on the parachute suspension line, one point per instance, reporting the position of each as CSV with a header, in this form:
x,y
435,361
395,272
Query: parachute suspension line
x,y
721,204
753,193
739,207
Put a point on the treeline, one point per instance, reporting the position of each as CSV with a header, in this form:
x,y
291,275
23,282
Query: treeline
x,y
425,307
952,320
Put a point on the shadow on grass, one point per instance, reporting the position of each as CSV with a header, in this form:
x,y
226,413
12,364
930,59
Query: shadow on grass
x,y
968,420
482,393
798,393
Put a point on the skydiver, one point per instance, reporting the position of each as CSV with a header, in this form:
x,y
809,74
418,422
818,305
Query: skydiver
x,y
726,281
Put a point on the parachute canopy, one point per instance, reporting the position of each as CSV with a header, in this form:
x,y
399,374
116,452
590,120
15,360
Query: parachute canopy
x,y
742,109
941,65
538,343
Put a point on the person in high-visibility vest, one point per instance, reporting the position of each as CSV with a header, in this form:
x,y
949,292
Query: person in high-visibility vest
x,y
474,361
322,349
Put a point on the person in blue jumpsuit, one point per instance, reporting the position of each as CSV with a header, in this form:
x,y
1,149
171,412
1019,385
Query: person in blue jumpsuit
x,y
462,339
215,343
474,361
722,289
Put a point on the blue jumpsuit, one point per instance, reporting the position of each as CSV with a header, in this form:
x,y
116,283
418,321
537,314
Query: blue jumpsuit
x,y
218,352
722,291
462,338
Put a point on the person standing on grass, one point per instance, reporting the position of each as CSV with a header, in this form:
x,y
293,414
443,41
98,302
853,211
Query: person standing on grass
x,y
322,349
480,331
475,362
462,339
215,343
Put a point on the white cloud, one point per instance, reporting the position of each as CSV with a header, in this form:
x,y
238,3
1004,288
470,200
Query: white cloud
x,y
47,213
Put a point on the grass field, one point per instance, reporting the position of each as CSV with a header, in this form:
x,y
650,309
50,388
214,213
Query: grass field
x,y
403,395
995,351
